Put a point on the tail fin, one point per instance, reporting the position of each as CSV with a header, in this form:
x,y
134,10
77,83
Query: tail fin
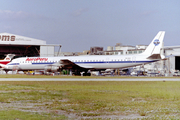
x,y
153,51
9,57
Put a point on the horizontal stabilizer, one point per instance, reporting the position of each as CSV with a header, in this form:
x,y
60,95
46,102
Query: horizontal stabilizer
x,y
155,56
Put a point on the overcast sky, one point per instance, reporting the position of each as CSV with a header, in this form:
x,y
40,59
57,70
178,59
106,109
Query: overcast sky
x,y
80,24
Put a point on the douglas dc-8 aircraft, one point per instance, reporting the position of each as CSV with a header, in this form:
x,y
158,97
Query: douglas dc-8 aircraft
x,y
90,62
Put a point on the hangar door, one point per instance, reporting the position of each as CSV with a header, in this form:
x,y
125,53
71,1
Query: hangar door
x,y
177,62
47,51
19,50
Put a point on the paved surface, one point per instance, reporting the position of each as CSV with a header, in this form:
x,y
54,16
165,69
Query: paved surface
x,y
89,79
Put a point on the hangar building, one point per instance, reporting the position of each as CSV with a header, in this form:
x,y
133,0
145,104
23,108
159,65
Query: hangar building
x,y
24,46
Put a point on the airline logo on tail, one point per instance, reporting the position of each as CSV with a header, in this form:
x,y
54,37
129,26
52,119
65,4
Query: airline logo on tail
x,y
8,59
156,42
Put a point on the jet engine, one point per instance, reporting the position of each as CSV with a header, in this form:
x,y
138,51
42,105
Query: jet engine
x,y
52,68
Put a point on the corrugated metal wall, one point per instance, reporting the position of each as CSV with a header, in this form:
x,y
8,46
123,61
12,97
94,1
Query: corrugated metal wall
x,y
46,51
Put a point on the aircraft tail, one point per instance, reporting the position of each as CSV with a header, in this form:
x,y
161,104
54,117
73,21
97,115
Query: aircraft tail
x,y
9,57
153,51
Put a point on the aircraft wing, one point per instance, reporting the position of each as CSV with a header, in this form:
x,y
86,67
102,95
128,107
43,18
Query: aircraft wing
x,y
67,64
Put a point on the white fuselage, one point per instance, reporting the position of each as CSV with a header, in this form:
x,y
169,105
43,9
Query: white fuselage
x,y
88,62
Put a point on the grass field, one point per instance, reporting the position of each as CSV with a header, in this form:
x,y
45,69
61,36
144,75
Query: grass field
x,y
40,100
68,76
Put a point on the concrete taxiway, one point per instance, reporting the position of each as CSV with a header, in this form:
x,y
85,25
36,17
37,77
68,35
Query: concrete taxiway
x,y
89,79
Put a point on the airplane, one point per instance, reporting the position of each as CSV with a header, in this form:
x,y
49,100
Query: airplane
x,y
7,59
78,64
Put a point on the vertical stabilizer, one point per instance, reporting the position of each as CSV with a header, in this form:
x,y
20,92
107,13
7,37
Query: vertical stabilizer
x,y
9,57
153,51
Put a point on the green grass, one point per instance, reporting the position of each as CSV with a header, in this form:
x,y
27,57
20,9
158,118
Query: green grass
x,y
19,115
68,76
91,99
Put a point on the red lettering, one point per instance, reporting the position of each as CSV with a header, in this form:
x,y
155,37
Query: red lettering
x,y
37,59
7,38
13,38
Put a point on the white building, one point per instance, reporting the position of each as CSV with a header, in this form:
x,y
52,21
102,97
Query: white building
x,y
24,46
